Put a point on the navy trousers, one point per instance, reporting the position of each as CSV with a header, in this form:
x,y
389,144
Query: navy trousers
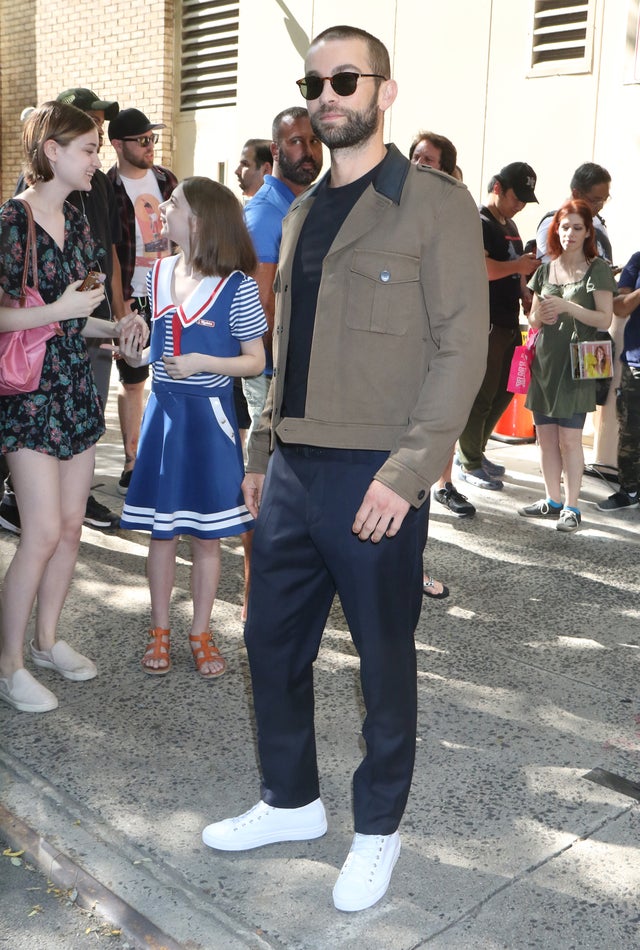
x,y
303,553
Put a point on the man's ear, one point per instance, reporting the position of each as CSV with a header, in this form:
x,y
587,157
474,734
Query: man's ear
x,y
267,168
274,153
387,94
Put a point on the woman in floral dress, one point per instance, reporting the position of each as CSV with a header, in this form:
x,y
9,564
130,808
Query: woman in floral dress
x,y
48,436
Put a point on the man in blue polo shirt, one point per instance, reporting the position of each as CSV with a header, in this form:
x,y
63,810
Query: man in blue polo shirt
x,y
297,161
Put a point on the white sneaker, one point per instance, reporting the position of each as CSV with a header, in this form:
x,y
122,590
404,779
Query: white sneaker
x,y
264,824
22,691
366,873
65,660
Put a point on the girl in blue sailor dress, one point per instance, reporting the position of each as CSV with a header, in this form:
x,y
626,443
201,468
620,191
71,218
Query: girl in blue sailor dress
x,y
207,327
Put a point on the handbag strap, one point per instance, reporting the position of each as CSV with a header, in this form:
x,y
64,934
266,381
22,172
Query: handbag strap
x,y
30,250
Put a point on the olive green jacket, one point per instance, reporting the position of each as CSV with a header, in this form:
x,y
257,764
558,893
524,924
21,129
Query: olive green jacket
x,y
400,337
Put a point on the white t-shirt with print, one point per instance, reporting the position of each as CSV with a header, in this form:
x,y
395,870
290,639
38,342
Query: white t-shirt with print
x,y
145,196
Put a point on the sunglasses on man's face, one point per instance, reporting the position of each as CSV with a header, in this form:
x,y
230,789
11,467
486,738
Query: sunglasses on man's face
x,y
143,140
344,84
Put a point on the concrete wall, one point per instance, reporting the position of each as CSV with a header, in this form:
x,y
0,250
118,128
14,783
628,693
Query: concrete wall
x,y
462,70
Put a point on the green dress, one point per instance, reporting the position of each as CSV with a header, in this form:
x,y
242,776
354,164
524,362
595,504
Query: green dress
x,y
553,391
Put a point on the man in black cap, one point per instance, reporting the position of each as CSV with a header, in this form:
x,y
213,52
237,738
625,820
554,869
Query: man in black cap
x,y
140,187
507,269
100,207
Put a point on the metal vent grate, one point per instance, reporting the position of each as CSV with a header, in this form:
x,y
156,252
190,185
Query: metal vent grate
x,y
209,68
560,31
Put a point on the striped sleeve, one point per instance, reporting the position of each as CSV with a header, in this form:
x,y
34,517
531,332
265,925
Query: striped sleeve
x,y
246,317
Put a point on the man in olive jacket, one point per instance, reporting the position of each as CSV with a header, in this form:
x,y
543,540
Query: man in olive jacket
x,y
379,349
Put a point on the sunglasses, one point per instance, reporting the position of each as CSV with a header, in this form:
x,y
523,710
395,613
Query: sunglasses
x,y
344,84
142,140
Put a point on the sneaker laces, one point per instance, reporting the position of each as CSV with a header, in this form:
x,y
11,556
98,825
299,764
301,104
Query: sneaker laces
x,y
366,850
254,814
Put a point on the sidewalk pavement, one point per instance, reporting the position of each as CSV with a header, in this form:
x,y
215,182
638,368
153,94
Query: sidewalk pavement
x,y
528,681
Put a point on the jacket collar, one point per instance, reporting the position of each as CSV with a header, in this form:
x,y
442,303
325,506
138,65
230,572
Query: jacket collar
x,y
389,181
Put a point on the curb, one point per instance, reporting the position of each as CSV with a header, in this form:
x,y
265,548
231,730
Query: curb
x,y
92,895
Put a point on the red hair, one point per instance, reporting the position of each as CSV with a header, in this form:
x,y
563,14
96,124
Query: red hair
x,y
575,206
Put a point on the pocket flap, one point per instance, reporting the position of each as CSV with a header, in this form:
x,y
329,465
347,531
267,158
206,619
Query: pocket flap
x,y
385,267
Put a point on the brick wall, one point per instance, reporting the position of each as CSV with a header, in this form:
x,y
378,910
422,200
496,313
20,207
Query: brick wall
x,y
47,46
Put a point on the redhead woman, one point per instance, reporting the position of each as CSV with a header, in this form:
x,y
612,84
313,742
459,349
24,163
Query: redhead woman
x,y
573,300
48,436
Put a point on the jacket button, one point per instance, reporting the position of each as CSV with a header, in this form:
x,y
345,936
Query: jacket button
x,y
421,494
385,276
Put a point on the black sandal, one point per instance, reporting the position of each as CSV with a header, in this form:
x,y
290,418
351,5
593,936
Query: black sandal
x,y
428,585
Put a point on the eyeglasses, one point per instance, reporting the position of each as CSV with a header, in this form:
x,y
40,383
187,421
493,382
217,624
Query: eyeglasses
x,y
344,84
142,140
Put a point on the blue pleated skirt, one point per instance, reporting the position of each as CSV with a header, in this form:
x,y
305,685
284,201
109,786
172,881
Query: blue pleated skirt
x,y
189,468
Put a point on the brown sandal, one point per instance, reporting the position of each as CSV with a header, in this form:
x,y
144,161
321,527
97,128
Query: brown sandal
x,y
157,649
205,651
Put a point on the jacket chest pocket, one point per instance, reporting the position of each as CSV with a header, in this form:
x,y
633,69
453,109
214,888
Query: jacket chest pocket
x,y
384,292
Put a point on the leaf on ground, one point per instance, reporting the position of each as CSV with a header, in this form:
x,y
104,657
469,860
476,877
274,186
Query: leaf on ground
x,y
8,853
17,862
37,909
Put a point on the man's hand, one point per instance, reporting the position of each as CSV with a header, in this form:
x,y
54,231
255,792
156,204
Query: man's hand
x,y
527,264
252,491
381,513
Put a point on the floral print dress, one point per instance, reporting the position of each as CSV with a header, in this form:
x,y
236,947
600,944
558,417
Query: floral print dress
x,y
63,417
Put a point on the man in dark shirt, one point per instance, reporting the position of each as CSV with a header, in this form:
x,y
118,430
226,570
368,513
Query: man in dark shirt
x,y
372,382
507,269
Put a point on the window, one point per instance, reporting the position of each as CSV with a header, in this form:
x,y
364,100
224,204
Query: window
x,y
209,72
562,40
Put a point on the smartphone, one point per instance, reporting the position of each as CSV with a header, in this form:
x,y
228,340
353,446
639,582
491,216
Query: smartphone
x,y
93,279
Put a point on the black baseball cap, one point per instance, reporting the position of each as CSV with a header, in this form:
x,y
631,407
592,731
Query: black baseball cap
x,y
88,101
522,178
131,122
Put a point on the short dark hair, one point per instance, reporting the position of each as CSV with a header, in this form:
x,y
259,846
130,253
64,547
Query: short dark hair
x,y
378,54
52,120
220,241
295,113
262,149
589,175
448,152
576,206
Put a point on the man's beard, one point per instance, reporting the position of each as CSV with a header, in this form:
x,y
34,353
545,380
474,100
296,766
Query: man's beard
x,y
138,161
292,171
358,128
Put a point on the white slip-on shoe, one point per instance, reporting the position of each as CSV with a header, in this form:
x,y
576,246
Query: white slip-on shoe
x,y
65,660
366,873
22,691
264,824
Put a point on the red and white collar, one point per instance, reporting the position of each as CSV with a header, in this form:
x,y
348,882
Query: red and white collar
x,y
196,304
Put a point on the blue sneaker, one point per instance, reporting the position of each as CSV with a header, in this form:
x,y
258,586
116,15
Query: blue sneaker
x,y
492,468
481,479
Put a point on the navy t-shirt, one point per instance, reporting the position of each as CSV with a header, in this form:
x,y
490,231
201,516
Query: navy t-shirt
x,y
630,277
326,216
502,243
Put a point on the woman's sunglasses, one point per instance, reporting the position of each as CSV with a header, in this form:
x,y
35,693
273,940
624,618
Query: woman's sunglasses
x,y
344,84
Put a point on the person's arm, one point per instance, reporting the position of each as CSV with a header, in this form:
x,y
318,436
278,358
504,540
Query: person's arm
x,y
626,301
250,363
117,297
550,308
71,305
264,277
456,315
525,265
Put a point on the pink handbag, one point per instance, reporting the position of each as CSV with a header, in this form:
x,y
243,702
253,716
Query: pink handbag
x,y
22,351
520,372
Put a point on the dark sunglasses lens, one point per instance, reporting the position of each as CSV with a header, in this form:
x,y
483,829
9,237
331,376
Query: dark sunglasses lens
x,y
311,87
345,83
